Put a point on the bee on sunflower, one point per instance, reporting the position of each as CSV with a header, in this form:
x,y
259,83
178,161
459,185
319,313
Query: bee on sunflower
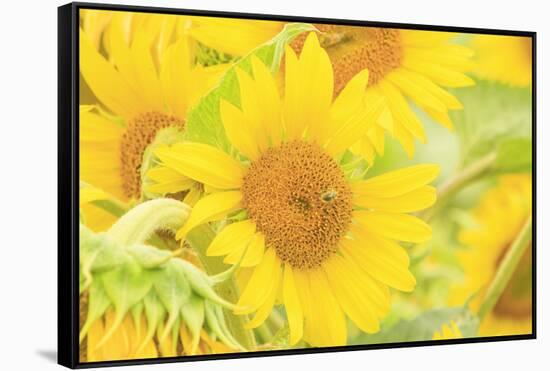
x,y
319,241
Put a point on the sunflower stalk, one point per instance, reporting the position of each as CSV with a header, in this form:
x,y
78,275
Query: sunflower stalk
x,y
507,268
465,177
199,239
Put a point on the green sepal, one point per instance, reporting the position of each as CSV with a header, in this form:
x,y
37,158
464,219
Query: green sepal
x,y
98,303
125,286
173,290
149,257
192,313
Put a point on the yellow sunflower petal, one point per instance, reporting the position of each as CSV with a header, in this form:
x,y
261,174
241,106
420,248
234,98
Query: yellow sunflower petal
x,y
401,227
383,259
258,288
209,208
326,311
402,79
354,300
101,77
175,75
232,237
265,309
270,102
308,88
253,251
239,130
233,36
419,199
203,163
145,70
292,306
168,180
397,182
347,132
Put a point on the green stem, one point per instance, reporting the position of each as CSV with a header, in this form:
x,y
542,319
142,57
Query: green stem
x,y
464,178
506,269
112,206
199,238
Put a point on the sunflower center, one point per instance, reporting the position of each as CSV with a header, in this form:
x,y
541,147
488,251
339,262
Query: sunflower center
x,y
352,49
516,299
299,199
140,132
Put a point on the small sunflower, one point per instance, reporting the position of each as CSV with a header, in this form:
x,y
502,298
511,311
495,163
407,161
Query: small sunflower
x,y
320,242
145,85
500,216
508,59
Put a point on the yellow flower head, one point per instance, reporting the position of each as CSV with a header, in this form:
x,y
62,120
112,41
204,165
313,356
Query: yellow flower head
x,y
507,59
144,83
319,242
500,215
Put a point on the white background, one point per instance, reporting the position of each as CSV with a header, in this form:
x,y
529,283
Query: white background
x,y
28,183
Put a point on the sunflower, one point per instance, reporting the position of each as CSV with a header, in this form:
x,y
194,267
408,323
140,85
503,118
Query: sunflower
x,y
319,240
144,86
507,59
500,215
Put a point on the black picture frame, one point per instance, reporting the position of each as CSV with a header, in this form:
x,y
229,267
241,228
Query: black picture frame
x,y
68,183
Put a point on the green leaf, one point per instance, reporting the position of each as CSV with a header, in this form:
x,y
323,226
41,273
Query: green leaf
x,y
203,122
493,113
423,327
514,156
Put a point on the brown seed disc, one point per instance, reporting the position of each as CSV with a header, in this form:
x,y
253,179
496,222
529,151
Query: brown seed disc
x,y
352,49
140,132
299,199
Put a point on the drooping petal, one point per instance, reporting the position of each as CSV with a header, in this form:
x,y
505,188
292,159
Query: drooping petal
x,y
231,238
209,208
258,288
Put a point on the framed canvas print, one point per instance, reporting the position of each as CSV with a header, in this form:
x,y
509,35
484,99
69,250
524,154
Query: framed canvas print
x,y
239,185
